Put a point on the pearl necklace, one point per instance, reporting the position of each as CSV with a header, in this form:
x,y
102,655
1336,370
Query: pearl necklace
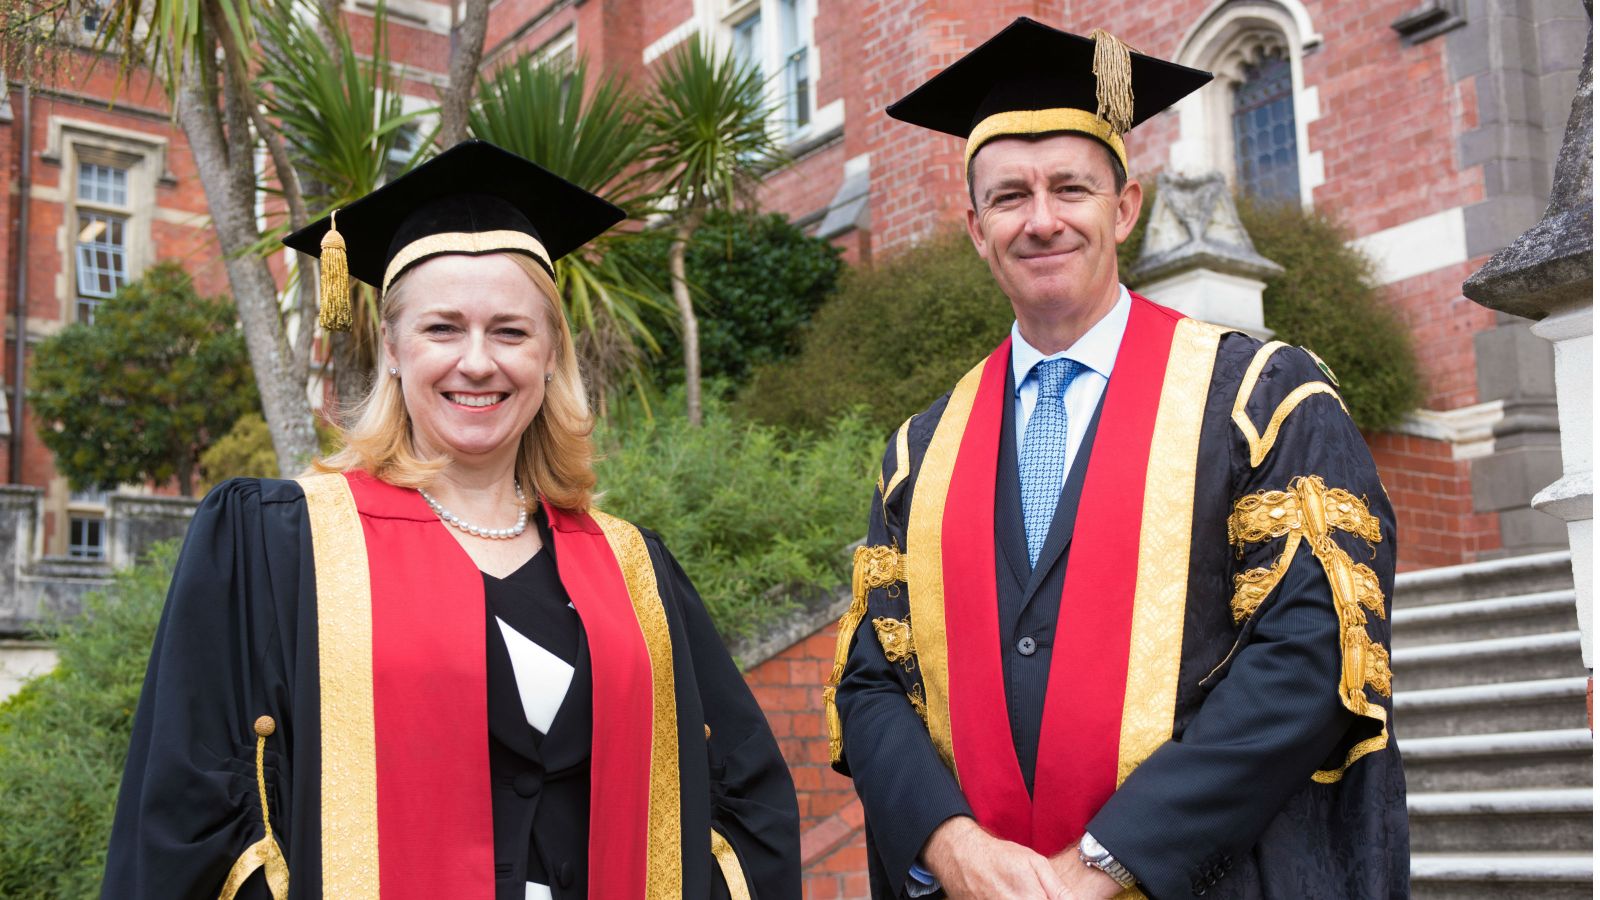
x,y
498,534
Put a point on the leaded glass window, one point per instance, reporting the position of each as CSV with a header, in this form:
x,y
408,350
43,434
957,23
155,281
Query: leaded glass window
x,y
1264,150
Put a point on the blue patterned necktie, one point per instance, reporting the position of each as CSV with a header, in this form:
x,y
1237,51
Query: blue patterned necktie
x,y
1044,452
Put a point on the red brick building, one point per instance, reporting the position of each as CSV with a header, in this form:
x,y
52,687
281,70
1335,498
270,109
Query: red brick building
x,y
1429,129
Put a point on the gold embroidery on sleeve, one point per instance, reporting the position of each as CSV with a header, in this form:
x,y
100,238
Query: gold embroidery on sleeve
x,y
902,461
894,635
875,567
1310,511
918,704
264,854
1261,442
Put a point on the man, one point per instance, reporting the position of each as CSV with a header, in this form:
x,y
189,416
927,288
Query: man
x,y
1121,619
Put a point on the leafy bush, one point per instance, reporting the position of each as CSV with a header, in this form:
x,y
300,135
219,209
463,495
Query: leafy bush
x,y
246,451
747,512
1325,300
892,339
896,337
64,736
755,280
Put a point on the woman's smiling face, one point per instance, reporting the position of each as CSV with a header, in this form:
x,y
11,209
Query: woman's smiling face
x,y
473,344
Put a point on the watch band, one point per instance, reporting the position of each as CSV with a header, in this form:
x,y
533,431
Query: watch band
x,y
1091,853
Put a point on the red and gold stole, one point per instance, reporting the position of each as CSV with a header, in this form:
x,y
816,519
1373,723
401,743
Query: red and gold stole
x,y
1113,677
404,723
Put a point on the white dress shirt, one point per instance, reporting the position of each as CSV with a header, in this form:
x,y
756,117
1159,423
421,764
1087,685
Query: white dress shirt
x,y
1096,350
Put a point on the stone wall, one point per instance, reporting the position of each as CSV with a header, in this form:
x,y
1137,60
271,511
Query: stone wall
x,y
35,588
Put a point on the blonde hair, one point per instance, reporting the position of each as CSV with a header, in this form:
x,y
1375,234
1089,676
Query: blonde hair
x,y
555,458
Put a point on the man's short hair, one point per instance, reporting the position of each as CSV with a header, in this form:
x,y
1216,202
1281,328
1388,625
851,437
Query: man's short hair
x,y
1119,175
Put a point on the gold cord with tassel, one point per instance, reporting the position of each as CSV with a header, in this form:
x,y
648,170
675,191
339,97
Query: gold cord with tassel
x,y
264,854
1113,74
335,314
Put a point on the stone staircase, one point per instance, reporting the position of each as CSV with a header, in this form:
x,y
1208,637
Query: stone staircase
x,y
1489,713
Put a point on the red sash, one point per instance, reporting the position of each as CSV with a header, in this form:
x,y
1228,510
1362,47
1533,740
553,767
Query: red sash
x,y
429,776
1088,739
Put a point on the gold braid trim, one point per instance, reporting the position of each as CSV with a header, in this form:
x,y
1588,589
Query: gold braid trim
x,y
1310,511
728,862
902,463
875,567
895,637
264,854
1261,442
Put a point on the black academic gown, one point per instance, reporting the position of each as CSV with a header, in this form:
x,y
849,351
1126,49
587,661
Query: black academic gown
x,y
238,636
1227,807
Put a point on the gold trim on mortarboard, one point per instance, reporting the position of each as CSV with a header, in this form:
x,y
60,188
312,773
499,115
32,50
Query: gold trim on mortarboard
x,y
1045,121
473,242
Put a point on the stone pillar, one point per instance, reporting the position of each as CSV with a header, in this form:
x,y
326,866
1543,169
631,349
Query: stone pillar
x,y
1547,275
1197,257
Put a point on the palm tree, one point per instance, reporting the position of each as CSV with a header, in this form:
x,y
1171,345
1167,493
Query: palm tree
x,y
342,118
710,143
539,110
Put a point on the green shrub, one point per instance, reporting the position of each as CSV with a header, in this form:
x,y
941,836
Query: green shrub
x,y
1325,301
747,512
893,338
64,736
755,280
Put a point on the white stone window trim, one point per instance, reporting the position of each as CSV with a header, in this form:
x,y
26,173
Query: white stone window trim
x,y
821,120
71,143
1223,41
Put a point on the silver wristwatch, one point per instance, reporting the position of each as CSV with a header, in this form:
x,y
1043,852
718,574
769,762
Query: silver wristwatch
x,y
1094,855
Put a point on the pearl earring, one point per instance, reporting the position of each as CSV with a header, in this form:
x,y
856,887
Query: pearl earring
x,y
394,371
548,376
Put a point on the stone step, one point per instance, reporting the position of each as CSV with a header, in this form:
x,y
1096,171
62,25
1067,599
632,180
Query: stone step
x,y
1477,822
1523,658
1484,708
1481,580
1502,876
1473,620
1561,758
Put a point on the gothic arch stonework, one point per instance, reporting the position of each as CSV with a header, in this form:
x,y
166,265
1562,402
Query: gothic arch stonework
x,y
1224,40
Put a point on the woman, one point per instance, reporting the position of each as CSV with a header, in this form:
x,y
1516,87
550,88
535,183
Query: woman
x,y
445,673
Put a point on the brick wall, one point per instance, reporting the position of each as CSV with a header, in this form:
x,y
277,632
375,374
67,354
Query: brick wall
x,y
832,845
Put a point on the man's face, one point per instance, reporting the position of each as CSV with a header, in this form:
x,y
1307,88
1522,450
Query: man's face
x,y
1048,219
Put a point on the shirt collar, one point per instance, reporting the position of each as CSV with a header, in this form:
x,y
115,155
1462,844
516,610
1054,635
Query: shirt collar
x,y
1096,350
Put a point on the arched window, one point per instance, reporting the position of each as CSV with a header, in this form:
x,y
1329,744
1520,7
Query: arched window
x,y
1266,159
1250,123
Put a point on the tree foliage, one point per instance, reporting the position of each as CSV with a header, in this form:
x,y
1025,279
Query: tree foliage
x,y
756,278
140,393
64,736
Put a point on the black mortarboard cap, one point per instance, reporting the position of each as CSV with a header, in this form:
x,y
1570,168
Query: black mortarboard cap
x,y
473,198
1034,79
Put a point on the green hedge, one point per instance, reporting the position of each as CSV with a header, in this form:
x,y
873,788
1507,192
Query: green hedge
x,y
896,337
64,736
747,510
1325,300
755,280
892,339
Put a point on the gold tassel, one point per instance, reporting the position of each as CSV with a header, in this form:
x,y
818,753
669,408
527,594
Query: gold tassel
x,y
335,314
1113,74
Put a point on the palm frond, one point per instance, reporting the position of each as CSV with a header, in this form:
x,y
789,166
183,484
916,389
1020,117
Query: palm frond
x,y
708,118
